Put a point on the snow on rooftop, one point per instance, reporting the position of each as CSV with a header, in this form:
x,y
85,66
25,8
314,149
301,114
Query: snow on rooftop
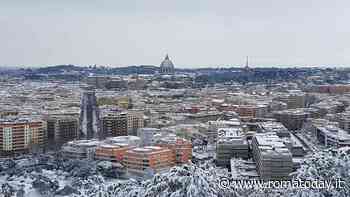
x,y
84,142
123,139
270,143
335,132
229,132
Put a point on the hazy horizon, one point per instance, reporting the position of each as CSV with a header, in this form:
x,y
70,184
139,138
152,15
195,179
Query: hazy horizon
x,y
195,34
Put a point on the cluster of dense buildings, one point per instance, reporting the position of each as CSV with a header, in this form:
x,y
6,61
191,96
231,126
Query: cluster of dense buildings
x,y
145,124
130,155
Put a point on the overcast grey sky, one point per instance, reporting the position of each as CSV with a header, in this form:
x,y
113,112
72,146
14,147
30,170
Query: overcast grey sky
x,y
194,33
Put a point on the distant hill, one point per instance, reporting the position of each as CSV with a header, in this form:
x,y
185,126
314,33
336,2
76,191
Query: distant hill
x,y
59,69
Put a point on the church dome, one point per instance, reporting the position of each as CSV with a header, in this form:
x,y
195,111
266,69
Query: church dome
x,y
167,66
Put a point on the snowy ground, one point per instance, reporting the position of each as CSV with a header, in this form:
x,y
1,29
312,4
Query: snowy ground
x,y
46,176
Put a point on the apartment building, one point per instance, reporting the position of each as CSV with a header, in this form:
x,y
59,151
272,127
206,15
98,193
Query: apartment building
x,y
115,124
61,129
121,123
21,135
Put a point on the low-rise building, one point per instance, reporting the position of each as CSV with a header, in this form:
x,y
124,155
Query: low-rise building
x,y
113,149
80,149
149,160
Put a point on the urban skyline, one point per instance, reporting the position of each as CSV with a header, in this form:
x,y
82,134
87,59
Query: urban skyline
x,y
174,98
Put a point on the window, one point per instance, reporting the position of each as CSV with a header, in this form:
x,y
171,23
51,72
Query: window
x,y
7,138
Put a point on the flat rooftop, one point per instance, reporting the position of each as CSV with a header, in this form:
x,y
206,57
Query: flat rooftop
x,y
271,145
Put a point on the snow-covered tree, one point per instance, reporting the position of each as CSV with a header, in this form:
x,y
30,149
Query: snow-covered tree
x,y
332,165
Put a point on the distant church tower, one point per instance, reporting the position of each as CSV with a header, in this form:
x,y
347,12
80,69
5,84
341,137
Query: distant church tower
x,y
167,66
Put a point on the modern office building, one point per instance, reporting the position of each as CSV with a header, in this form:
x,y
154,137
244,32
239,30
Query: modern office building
x,y
273,159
